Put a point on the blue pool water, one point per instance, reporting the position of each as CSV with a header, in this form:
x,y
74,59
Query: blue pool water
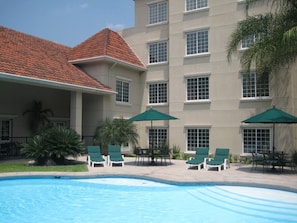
x,y
136,200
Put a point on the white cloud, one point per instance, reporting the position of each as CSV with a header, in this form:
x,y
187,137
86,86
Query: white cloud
x,y
115,26
84,5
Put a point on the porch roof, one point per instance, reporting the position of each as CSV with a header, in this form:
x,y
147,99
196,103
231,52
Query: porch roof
x,y
31,60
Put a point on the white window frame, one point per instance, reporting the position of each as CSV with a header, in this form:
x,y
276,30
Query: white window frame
x,y
158,136
157,52
158,93
258,144
200,140
246,43
199,4
159,14
120,95
199,79
252,87
197,42
5,130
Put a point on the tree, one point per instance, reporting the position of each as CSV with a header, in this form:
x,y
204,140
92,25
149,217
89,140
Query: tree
x,y
276,45
116,132
38,117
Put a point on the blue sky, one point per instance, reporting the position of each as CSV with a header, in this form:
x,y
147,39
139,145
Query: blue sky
x,y
68,22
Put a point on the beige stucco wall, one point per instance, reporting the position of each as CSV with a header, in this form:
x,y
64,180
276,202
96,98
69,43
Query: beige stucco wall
x,y
226,109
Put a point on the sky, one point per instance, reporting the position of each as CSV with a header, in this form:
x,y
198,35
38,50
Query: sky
x,y
68,22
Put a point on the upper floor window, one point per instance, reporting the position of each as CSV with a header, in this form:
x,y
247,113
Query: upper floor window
x,y
197,137
157,52
196,4
157,13
247,42
158,93
255,86
197,42
197,88
256,140
123,91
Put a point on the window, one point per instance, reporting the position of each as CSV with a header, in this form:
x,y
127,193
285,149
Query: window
x,y
157,13
158,93
157,52
5,130
123,91
157,136
197,42
197,137
256,140
255,86
197,88
195,4
247,42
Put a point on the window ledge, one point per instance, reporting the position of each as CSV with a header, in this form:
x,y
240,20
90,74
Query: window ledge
x,y
241,1
157,105
198,102
157,24
157,64
197,10
123,103
197,55
255,99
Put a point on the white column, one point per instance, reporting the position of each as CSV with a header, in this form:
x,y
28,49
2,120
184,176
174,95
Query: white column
x,y
76,112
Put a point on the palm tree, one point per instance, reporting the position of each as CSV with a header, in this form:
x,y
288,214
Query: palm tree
x,y
116,132
38,117
276,45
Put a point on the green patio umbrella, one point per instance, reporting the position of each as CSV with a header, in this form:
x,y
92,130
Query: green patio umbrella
x,y
272,116
152,115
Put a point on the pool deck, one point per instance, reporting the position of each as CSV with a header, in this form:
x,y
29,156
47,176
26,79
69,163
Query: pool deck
x,y
176,171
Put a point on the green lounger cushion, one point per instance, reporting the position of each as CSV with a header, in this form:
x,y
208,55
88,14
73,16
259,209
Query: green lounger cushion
x,y
201,153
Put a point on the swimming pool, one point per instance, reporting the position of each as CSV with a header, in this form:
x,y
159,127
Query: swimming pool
x,y
88,200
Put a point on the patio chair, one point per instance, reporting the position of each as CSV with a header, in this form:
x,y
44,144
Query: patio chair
x,y
221,159
114,155
141,154
200,158
258,159
94,156
163,154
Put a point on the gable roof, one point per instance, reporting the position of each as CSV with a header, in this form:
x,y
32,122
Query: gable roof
x,y
105,44
29,59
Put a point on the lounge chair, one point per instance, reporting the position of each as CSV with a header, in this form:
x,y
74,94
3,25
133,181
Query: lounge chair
x,y
221,159
200,158
114,155
94,156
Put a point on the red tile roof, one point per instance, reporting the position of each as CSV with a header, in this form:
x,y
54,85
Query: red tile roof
x,y
28,56
105,43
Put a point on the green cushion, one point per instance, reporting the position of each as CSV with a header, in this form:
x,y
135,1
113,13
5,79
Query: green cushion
x,y
96,157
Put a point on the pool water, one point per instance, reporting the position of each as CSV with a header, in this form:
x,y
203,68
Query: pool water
x,y
62,200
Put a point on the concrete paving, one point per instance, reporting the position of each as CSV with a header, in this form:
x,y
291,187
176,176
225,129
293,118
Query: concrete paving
x,y
176,171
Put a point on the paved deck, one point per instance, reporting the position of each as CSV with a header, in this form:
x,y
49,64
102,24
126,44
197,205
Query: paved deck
x,y
176,171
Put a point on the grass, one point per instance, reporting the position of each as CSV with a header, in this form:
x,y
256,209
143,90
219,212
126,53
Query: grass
x,y
21,166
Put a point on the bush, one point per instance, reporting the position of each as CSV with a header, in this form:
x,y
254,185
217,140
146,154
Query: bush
x,y
54,143
116,132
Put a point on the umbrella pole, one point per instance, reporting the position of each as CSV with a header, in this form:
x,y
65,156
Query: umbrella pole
x,y
273,148
153,155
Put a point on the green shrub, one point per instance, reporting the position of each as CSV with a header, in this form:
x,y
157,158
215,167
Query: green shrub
x,y
54,143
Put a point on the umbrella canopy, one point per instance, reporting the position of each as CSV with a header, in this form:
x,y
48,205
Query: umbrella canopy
x,y
274,116
151,115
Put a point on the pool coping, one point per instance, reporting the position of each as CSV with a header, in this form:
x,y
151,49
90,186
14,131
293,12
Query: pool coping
x,y
177,174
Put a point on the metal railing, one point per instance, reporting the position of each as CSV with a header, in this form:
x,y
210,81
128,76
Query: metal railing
x,y
12,146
